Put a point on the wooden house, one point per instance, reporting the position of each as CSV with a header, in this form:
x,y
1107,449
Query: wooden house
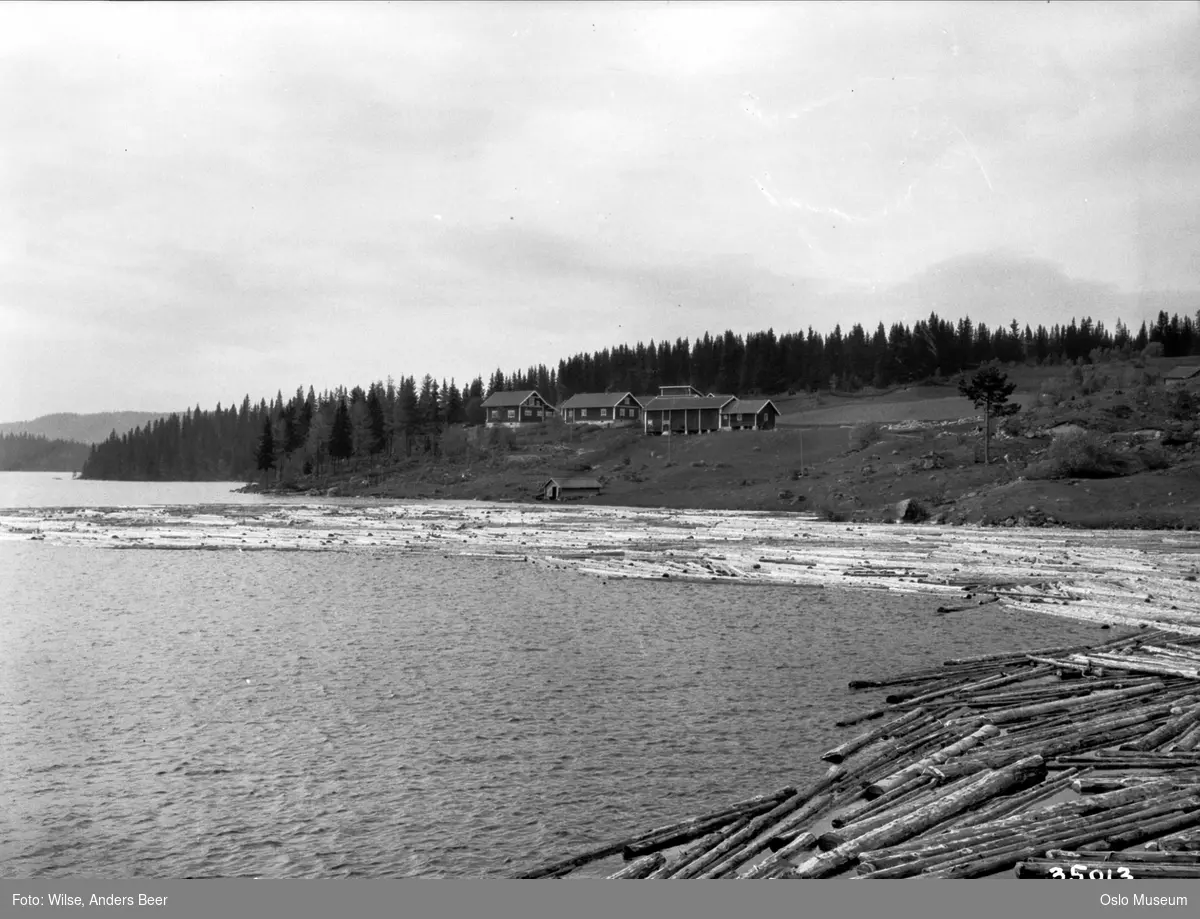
x,y
564,489
684,414
601,408
516,408
1177,376
749,414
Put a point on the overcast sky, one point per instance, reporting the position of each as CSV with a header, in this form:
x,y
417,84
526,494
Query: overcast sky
x,y
201,201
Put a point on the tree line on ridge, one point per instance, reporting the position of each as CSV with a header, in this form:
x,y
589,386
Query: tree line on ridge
x,y
313,432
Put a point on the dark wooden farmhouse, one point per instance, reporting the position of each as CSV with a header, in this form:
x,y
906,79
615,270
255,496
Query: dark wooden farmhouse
x,y
513,408
1178,375
566,488
749,414
683,410
601,408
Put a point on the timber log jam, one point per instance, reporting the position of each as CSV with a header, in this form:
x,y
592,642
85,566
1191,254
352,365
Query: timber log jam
x,y
1037,763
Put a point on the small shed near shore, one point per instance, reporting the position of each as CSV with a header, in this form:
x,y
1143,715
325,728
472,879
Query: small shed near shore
x,y
566,488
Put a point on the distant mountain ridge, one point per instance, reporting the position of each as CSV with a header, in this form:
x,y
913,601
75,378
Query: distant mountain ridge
x,y
88,429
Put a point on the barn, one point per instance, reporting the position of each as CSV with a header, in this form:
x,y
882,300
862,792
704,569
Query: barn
x,y
564,489
601,408
516,408
749,415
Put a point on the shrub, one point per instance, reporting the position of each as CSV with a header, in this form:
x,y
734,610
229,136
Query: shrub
x,y
863,435
1079,454
1153,456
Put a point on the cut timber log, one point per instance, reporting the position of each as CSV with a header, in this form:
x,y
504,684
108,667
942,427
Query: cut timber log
x,y
974,738
990,785
867,806
1023,712
640,868
762,841
739,839
685,831
778,859
613,848
684,857
1134,665
1166,732
841,751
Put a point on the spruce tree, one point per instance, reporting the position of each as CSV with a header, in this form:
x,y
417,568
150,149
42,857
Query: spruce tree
x,y
265,455
377,435
341,437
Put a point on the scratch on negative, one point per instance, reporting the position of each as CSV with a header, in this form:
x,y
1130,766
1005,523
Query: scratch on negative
x,y
975,156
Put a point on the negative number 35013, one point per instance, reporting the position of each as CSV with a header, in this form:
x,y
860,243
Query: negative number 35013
x,y
1083,871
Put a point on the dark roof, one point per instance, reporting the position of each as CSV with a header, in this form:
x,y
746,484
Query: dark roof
x,y
1185,372
597,400
574,483
509,398
750,406
672,402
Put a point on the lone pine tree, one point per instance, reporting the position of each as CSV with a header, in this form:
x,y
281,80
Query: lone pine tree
x,y
989,389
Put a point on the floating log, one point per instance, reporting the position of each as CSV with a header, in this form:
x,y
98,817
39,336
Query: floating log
x,y
740,838
868,806
761,842
992,783
974,738
1166,732
613,848
685,856
841,751
1022,712
1134,665
689,832
640,868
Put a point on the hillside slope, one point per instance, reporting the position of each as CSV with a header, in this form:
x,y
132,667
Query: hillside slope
x,y
88,429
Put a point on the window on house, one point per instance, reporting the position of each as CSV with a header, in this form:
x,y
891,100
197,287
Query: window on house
x,y
512,413
603,413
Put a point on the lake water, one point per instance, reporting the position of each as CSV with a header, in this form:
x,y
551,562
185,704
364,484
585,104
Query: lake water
x,y
376,713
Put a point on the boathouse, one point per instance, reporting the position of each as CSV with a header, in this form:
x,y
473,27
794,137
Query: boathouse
x,y
601,408
516,408
564,489
749,415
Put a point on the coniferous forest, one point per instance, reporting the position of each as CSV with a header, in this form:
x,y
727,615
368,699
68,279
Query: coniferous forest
x,y
315,432
35,453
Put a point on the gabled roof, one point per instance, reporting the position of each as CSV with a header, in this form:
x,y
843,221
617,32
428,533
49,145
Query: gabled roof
x,y
1185,372
508,399
663,403
574,483
597,400
692,390
749,406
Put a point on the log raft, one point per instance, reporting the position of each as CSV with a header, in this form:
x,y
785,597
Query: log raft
x,y
1027,763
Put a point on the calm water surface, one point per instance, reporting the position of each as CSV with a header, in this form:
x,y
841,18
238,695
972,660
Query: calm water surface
x,y
279,714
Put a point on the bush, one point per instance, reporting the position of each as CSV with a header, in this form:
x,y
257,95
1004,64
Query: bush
x,y
1153,456
863,435
1079,454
